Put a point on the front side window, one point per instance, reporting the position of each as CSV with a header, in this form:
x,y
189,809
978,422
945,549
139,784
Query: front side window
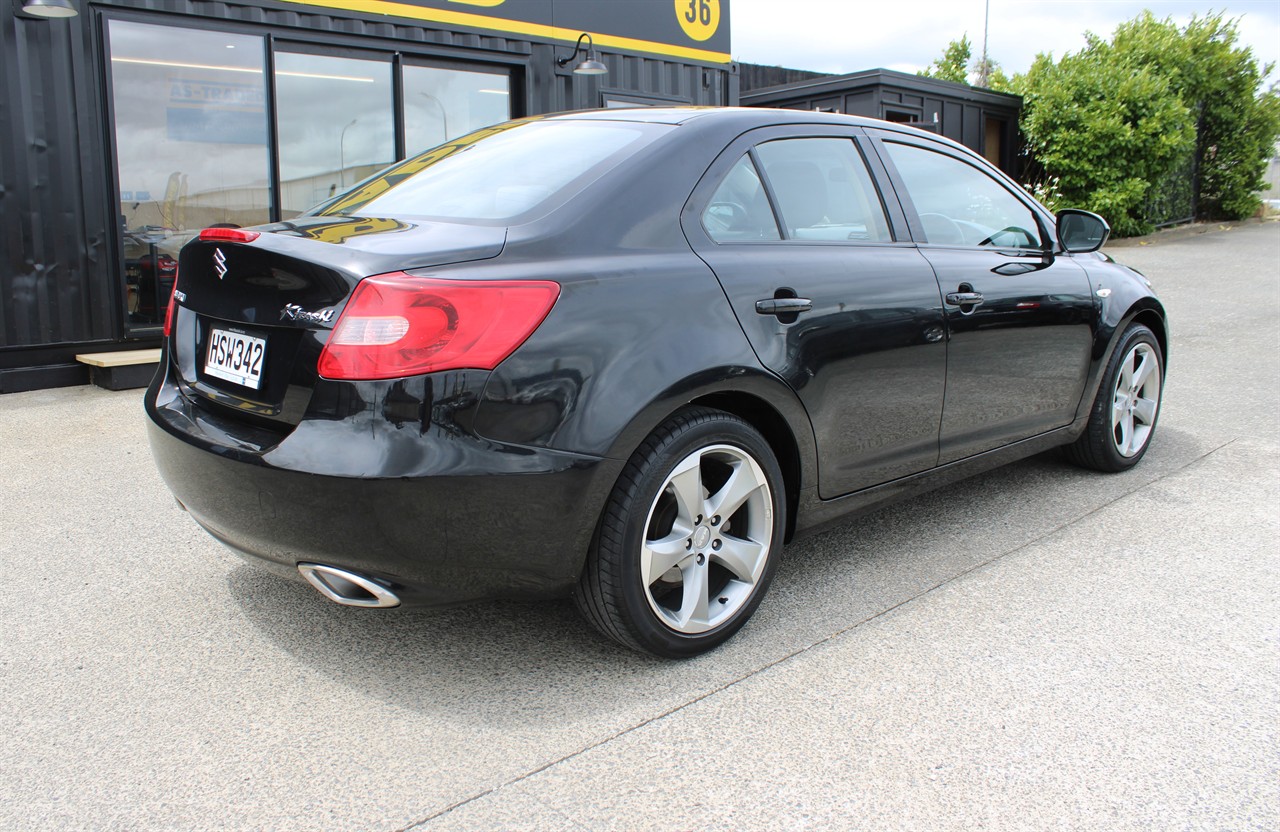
x,y
191,147
960,205
824,191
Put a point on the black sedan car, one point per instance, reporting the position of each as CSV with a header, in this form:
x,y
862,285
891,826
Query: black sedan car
x,y
626,355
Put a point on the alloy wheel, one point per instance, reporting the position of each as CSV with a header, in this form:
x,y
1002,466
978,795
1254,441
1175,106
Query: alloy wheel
x,y
1136,400
707,539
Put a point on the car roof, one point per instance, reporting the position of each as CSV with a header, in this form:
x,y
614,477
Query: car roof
x,y
744,118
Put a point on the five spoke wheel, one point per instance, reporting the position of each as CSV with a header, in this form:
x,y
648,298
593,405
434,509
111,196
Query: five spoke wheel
x,y
1136,400
688,541
1123,416
706,539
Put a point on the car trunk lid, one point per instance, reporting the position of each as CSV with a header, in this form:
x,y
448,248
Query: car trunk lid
x,y
253,312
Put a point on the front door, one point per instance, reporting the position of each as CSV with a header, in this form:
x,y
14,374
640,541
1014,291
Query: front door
x,y
1019,320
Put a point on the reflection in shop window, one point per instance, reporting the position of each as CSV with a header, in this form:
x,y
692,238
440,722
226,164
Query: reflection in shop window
x,y
191,147
335,125
442,104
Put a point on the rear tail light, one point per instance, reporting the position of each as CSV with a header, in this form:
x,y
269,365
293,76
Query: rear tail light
x,y
230,235
169,311
398,325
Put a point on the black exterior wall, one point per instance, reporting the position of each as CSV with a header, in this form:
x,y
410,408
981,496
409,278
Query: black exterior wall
x,y
61,265
957,111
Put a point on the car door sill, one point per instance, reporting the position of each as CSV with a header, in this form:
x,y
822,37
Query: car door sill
x,y
816,514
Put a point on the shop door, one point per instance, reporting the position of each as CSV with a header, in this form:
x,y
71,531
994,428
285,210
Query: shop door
x,y
335,124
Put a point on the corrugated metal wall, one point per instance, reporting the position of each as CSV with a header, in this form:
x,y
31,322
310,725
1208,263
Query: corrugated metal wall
x,y
60,273
53,223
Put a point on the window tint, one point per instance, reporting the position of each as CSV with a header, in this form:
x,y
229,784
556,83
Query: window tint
x,y
740,210
961,205
495,173
823,190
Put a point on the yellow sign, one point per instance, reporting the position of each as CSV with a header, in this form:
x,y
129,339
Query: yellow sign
x,y
698,18
642,26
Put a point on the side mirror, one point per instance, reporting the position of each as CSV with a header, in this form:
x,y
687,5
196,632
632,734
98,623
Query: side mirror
x,y
1080,232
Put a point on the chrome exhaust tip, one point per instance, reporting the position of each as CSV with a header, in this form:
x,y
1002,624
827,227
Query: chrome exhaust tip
x,y
348,588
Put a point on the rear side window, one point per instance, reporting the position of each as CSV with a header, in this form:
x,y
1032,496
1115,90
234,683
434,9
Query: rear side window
x,y
960,205
496,173
739,211
824,191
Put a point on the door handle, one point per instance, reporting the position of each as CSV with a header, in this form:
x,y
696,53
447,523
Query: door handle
x,y
964,298
783,306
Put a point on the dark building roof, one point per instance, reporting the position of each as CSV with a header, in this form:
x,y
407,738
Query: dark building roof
x,y
757,76
983,120
818,84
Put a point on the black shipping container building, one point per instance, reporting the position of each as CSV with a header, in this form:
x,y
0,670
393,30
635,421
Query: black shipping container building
x,y
980,119
131,124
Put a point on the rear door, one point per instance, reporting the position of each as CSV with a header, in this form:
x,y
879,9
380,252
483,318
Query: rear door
x,y
831,294
1019,320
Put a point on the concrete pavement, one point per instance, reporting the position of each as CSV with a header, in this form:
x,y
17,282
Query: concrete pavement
x,y
1038,647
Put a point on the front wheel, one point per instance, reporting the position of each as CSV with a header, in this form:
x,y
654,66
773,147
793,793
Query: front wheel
x,y
688,541
1123,417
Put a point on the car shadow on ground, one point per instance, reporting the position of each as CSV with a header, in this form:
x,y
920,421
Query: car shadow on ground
x,y
512,661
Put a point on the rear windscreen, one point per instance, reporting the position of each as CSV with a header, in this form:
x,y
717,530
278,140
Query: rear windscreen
x,y
496,173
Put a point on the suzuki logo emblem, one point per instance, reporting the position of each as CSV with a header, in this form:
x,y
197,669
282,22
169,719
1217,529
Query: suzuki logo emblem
x,y
220,263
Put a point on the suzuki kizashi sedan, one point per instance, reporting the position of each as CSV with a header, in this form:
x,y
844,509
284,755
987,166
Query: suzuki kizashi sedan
x,y
626,355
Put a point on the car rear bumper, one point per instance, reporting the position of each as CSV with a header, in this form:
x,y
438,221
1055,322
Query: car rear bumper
x,y
436,515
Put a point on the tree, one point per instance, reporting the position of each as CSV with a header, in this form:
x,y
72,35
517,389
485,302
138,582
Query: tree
x,y
996,79
1120,115
1220,83
958,64
1104,129
954,63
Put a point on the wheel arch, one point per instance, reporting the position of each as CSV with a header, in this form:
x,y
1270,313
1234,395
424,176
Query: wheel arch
x,y
1147,311
763,402
1153,320
774,428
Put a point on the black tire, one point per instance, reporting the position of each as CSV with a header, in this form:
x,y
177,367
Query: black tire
x,y
646,519
1105,445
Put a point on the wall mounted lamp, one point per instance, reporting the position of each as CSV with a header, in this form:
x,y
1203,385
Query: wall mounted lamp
x,y
49,8
590,66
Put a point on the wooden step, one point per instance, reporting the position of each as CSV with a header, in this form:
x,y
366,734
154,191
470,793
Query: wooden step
x,y
124,370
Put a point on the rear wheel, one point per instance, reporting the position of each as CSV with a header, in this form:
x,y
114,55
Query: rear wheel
x,y
688,541
1123,418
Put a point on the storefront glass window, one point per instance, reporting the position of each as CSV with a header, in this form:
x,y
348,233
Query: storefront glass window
x,y
191,145
335,124
442,104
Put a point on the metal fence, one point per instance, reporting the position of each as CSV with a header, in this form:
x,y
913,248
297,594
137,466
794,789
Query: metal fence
x,y
1174,198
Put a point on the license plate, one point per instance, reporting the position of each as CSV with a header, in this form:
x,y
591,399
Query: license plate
x,y
236,357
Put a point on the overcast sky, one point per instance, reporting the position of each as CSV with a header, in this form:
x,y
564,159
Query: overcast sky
x,y
849,35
